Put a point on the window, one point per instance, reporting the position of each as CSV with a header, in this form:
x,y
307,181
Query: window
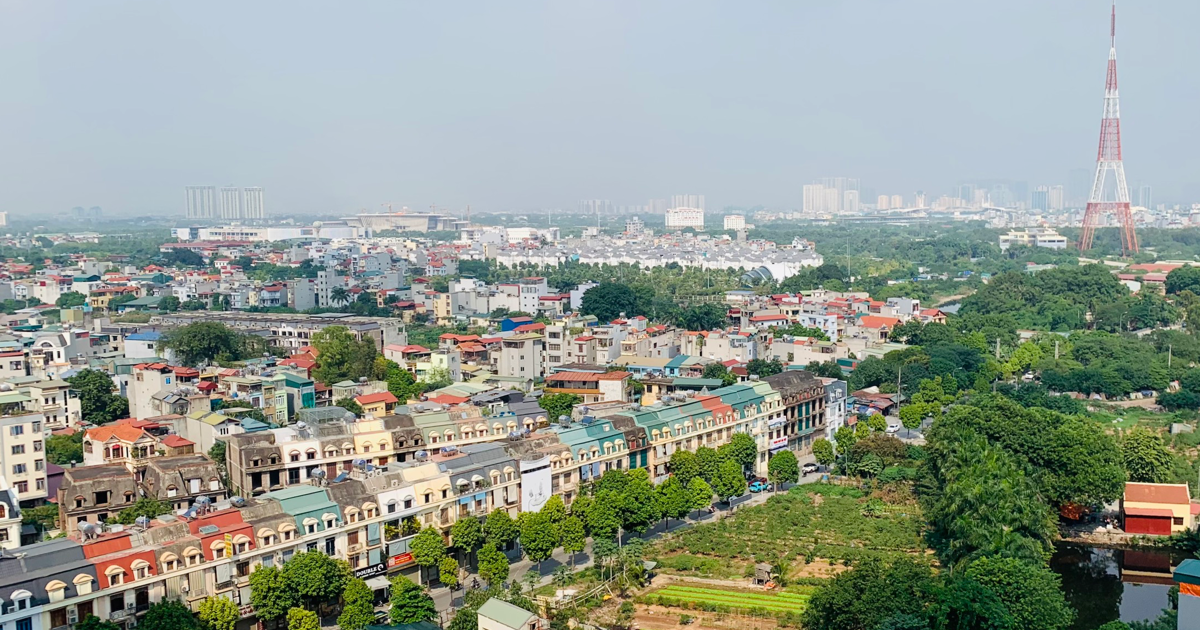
x,y
39,464
294,456
26,623
19,469
116,577
172,491
330,549
37,426
408,503
214,484
391,507
311,528
311,454
141,573
16,429
18,449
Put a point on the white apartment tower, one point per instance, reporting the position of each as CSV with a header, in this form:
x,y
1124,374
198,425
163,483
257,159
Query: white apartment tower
x,y
253,203
201,202
850,201
687,201
231,202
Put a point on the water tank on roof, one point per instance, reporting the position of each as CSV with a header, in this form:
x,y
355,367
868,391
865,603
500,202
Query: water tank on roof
x,y
203,500
142,522
360,463
421,455
317,473
237,502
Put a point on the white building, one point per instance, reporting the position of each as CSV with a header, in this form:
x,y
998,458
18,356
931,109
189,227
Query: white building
x,y
735,222
231,202
687,201
22,454
253,208
10,517
1033,237
814,199
679,218
201,202
850,202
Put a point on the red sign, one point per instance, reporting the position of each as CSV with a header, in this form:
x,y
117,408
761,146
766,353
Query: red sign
x,y
400,560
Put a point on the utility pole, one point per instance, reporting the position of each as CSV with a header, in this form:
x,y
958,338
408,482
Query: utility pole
x,y
1056,354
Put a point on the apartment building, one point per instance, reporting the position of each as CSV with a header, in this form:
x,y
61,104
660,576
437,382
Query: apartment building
x,y
22,454
520,356
590,386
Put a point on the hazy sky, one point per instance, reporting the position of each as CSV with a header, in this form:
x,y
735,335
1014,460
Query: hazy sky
x,y
336,106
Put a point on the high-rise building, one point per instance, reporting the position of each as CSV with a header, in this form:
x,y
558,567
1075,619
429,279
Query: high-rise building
x,y
883,203
897,202
920,199
814,199
679,218
1145,197
253,203
1041,199
850,201
201,202
231,202
687,201
1057,198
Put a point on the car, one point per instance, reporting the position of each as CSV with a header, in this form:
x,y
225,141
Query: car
x,y
893,429
759,486
809,468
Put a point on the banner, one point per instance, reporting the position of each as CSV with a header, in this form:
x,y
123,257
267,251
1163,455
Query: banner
x,y
371,570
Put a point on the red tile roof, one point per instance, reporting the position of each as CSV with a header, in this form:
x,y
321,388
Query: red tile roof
x,y
381,397
877,321
1175,493
174,441
588,376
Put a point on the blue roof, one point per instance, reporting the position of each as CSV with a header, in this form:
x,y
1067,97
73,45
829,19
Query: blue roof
x,y
677,361
150,335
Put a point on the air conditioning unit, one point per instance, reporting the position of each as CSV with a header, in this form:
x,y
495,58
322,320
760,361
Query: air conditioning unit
x,y
132,622
130,607
72,615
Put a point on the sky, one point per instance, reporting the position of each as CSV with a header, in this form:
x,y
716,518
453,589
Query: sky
x,y
335,107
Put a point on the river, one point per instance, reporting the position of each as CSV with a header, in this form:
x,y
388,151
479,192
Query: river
x,y
1108,584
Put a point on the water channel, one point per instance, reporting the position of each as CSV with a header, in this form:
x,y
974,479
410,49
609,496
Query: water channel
x,y
1108,584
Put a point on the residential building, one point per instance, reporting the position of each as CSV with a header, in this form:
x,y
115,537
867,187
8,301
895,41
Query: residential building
x,y
1033,237
22,454
685,217
520,355
591,387
497,614
201,202
735,222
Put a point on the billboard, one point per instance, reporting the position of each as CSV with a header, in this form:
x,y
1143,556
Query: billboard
x,y
535,484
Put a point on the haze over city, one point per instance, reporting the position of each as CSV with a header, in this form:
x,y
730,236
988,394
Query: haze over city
x,y
510,106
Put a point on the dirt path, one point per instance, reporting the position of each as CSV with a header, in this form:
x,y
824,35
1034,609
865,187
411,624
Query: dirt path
x,y
660,618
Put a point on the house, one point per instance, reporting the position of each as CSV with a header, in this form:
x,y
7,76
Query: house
x,y
592,387
1159,509
497,614
377,405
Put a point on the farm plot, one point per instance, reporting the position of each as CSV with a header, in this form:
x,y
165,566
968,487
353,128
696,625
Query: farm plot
x,y
764,603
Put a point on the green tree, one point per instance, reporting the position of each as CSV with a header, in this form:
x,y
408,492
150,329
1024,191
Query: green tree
x,y
1146,457
764,368
92,622
493,564
300,619
467,535
64,450
146,506
169,614
701,317
219,613
70,299
707,463
448,572
603,519
339,295
358,610
410,602
340,356
700,493
193,305
828,369
684,466
316,577
572,537
204,342
742,449
718,370
428,548
554,510
558,405
868,594
1031,592
538,537
400,382
823,451
877,423
610,300
783,468
1185,278
499,529
349,404
639,508
729,482
270,594
845,437
169,304
673,500
97,401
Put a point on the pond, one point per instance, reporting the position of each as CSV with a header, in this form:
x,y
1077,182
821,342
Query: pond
x,y
1108,584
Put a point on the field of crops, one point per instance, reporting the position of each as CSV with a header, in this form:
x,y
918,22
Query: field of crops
x,y
759,603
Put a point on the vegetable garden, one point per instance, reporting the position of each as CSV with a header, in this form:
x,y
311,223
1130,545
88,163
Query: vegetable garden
x,y
784,606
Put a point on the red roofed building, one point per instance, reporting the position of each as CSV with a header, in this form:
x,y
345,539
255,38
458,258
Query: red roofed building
x,y
878,326
1159,509
377,405
592,387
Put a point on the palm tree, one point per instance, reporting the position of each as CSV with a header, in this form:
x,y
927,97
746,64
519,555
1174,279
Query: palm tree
x,y
339,295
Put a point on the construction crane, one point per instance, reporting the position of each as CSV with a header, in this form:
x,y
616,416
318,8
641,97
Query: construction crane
x,y
389,205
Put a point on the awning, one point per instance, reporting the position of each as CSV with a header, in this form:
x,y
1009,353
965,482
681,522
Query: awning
x,y
1141,511
378,582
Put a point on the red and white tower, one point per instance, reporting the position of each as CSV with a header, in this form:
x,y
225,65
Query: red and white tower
x,y
1106,198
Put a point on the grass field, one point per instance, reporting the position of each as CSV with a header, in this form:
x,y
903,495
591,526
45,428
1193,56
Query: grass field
x,y
723,600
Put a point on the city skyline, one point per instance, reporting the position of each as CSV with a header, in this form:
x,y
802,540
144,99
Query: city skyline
x,y
714,117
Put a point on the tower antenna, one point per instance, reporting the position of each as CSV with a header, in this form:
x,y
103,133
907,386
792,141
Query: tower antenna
x,y
1109,163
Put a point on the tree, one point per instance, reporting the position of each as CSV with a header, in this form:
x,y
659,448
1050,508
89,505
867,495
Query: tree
x,y
1031,592
270,594
707,462
168,304
823,450
1146,457
673,500
149,507
349,404
639,508
340,356
700,494
764,368
558,405
316,577
912,415
610,300
877,423
718,370
97,402
729,482
538,537
868,594
603,519
783,468
499,529
205,342
428,548
572,537
684,466
493,564
170,614
701,317
845,437
92,622
554,510
467,535
339,295
1185,278
410,602
193,305
300,619
358,610
742,449
828,369
400,382
436,378
219,613
64,450
448,572
70,299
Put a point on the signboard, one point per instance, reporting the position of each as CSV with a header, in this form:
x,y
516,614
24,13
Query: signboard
x,y
399,560
228,545
246,611
371,570
535,484
778,444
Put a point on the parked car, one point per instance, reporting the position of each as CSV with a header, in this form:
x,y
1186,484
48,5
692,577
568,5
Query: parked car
x,y
759,486
809,468
893,429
